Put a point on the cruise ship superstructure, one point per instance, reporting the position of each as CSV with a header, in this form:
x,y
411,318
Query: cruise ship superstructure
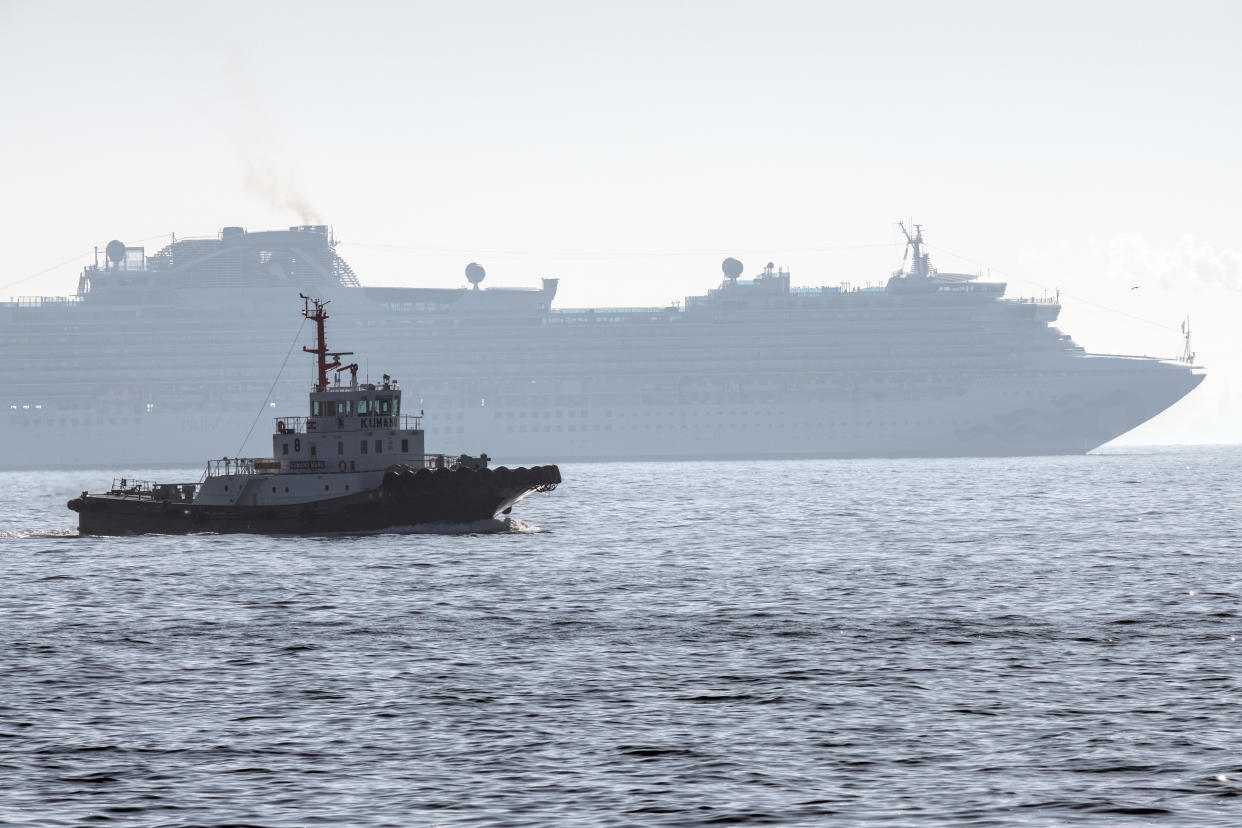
x,y
164,359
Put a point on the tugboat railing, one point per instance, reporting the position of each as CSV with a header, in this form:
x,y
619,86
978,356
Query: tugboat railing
x,y
268,465
127,487
131,487
240,465
453,462
303,425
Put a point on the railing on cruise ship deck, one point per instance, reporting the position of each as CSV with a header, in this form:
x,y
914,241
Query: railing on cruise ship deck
x,y
42,301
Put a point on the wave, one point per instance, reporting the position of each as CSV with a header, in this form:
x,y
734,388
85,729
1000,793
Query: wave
x,y
41,533
491,526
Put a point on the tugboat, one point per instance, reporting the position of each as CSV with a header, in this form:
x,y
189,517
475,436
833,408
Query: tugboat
x,y
355,463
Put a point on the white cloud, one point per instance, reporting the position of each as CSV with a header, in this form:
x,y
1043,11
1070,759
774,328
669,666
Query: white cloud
x,y
1132,260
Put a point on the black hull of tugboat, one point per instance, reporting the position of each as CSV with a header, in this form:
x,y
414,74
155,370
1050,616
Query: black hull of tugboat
x,y
405,498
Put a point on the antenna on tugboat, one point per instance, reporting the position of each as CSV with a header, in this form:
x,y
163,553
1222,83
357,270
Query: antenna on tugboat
x,y
319,316
352,368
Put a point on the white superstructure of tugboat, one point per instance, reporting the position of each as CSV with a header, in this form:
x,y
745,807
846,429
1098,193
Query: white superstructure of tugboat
x,y
354,462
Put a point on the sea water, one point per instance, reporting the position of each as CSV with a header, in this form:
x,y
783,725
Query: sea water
x,y
1034,641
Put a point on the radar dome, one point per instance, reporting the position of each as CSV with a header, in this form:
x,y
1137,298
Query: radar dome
x,y
475,274
115,251
731,267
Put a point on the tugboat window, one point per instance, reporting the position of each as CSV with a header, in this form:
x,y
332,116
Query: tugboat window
x,y
313,448
340,448
364,446
405,446
316,408
379,446
284,447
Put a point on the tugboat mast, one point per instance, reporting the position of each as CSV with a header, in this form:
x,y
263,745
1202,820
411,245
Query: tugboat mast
x,y
321,346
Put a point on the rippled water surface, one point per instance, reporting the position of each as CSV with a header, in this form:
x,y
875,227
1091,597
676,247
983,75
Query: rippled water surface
x,y
967,642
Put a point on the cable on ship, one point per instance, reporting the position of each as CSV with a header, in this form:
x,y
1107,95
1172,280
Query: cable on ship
x,y
263,405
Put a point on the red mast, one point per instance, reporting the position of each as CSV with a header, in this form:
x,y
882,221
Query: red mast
x,y
321,345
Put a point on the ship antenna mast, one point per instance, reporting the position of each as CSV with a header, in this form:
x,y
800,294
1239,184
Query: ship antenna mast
x,y
916,242
1188,356
319,316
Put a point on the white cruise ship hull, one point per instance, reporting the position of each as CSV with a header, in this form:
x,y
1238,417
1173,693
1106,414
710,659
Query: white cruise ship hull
x,y
1000,416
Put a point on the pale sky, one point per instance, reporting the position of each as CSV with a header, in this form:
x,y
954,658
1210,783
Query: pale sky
x,y
628,148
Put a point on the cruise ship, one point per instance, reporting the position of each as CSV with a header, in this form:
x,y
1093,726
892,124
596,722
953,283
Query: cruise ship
x,y
162,359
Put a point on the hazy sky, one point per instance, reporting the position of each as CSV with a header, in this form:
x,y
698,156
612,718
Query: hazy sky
x,y
628,147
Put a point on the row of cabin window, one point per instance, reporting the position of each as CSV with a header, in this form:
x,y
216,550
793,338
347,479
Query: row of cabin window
x,y
386,406
340,447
